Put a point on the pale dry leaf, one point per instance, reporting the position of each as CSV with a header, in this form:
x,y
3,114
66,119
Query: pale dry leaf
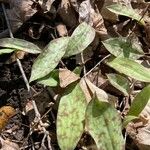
x,y
92,16
84,12
143,138
67,13
67,77
8,145
140,134
138,1
61,29
90,89
98,24
99,92
14,56
85,90
46,4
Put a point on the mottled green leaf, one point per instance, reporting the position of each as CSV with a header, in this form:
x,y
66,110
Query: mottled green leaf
x,y
140,102
20,44
119,82
82,36
70,117
122,47
131,68
51,79
6,51
104,125
49,58
126,11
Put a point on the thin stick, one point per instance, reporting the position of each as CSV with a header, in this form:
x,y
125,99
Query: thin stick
x,y
83,63
97,65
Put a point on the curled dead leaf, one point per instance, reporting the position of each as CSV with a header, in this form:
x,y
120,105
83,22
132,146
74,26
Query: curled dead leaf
x,y
6,112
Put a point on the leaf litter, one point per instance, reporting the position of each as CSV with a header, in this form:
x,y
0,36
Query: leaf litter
x,y
88,61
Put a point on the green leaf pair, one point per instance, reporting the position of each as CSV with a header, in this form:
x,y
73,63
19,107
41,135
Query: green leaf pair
x,y
126,52
99,118
62,47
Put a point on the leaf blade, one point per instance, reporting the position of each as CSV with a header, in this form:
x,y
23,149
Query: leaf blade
x,y
49,58
104,125
119,82
122,47
71,114
140,102
130,68
6,51
51,79
82,36
20,44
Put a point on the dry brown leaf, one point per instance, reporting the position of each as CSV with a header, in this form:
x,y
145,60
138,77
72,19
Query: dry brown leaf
x,y
139,130
94,89
21,10
8,145
67,13
98,24
91,15
85,11
6,112
90,89
67,77
61,29
88,94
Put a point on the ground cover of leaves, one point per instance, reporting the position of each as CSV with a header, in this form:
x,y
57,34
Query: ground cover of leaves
x,y
110,74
